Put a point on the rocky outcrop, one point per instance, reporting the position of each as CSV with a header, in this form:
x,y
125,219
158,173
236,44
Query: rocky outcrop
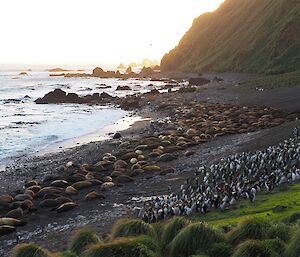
x,y
60,96
198,81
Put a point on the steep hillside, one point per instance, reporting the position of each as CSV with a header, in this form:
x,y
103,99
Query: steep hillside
x,y
242,35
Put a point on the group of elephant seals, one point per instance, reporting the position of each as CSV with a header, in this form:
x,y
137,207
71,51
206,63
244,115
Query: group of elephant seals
x,y
171,138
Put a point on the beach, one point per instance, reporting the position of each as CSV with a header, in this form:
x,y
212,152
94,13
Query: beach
x,y
151,120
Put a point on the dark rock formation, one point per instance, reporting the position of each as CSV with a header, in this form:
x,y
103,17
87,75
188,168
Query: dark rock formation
x,y
198,81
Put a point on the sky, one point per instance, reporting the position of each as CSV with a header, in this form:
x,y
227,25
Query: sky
x,y
93,31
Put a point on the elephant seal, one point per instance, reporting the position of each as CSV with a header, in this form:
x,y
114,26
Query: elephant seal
x,y
6,229
15,214
93,195
66,207
11,222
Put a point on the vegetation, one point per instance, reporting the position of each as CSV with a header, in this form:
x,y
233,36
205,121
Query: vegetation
x,y
126,227
249,229
82,239
247,36
293,250
268,227
171,230
252,248
274,81
29,250
120,247
195,237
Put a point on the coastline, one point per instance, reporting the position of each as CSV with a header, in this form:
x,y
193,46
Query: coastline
x,y
101,214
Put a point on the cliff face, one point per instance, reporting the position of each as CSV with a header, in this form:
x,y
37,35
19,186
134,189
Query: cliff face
x,y
242,35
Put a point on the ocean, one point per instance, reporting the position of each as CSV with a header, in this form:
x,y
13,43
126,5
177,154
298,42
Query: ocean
x,y
27,128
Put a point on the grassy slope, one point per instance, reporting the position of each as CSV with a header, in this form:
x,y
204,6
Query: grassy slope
x,y
263,207
249,36
274,81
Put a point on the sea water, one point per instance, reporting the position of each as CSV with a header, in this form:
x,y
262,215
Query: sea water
x,y
27,128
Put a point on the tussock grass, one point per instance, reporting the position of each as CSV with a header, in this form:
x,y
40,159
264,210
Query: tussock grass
x,y
65,254
128,228
281,231
248,229
293,249
294,217
173,227
194,238
253,248
276,245
29,250
120,247
81,240
220,249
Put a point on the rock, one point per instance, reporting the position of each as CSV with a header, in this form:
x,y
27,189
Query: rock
x,y
198,81
117,135
146,71
120,88
56,96
98,72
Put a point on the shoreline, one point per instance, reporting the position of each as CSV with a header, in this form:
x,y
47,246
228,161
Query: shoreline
x,y
44,227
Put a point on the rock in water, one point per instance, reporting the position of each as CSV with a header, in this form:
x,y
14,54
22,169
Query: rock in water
x,y
117,135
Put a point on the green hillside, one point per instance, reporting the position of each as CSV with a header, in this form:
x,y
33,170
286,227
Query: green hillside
x,y
242,35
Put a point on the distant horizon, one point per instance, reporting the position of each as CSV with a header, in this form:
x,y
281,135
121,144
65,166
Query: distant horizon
x,y
37,66
86,33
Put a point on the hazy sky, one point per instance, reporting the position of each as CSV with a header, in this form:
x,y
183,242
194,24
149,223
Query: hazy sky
x,y
93,31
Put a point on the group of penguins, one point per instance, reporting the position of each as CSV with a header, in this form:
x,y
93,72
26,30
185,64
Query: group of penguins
x,y
221,185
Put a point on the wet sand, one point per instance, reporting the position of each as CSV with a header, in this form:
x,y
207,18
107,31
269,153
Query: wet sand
x,y
52,230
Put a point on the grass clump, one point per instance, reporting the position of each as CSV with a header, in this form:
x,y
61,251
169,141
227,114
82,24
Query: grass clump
x,y
293,249
254,248
81,240
294,217
147,241
275,81
248,229
29,250
281,231
194,238
172,228
220,249
120,247
128,228
275,245
67,254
